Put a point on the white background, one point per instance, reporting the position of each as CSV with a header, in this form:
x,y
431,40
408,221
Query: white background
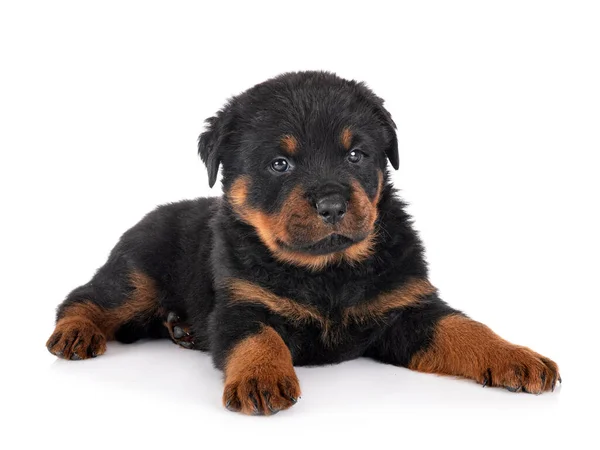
x,y
498,113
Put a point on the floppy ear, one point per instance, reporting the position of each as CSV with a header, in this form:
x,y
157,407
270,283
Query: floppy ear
x,y
385,119
390,134
212,141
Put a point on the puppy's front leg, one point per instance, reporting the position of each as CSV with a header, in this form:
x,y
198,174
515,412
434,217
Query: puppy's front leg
x,y
464,347
259,374
432,337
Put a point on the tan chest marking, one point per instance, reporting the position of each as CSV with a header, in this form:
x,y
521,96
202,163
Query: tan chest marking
x,y
242,291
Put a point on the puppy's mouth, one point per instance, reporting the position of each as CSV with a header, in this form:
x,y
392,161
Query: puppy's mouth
x,y
331,244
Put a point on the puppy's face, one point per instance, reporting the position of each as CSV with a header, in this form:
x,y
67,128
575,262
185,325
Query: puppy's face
x,y
304,158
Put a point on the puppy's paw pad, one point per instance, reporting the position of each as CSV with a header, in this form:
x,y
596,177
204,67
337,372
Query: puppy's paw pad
x,y
76,338
258,395
520,369
180,332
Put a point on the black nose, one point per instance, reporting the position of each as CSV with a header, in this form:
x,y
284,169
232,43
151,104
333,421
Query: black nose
x,y
331,208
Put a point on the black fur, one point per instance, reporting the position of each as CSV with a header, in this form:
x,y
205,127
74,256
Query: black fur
x,y
190,249
173,243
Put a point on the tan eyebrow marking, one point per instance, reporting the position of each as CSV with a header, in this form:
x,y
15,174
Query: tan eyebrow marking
x,y
346,138
289,143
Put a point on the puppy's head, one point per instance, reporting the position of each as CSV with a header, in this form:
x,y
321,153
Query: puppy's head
x,y
304,158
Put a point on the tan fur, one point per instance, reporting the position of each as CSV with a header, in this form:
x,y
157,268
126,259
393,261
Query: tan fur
x,y
346,138
242,291
77,337
289,143
246,292
408,294
297,222
260,367
470,349
86,319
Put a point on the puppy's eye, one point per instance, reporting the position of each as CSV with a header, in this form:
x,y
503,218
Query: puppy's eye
x,y
355,156
280,165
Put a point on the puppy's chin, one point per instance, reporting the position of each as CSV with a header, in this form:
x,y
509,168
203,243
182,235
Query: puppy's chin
x,y
334,243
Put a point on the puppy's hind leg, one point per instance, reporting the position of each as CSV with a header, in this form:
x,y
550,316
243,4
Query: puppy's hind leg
x,y
115,304
179,332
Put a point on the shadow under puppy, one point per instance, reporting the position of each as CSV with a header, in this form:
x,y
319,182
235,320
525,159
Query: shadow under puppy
x,y
308,258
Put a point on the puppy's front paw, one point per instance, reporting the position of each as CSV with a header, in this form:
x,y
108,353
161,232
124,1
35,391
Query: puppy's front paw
x,y
76,338
521,369
261,392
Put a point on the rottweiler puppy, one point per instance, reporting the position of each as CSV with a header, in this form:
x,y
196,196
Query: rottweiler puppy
x,y
308,258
